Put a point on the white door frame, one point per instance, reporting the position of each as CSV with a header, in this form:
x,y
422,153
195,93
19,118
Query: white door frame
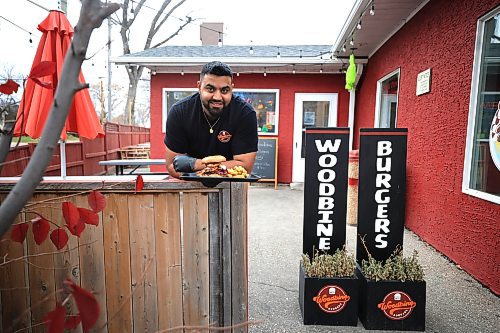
x,y
298,165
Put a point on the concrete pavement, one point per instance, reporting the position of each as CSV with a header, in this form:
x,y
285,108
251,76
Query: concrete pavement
x,y
455,301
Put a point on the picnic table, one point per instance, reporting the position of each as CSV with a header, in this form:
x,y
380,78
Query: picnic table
x,y
136,163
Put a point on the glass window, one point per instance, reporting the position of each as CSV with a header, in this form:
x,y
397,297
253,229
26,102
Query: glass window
x,y
265,103
387,101
482,163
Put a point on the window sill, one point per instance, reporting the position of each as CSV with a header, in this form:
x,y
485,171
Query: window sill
x,y
482,195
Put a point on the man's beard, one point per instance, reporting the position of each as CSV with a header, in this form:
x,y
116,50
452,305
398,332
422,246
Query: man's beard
x,y
213,112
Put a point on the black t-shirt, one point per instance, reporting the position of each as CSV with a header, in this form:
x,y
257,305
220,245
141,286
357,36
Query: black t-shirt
x,y
187,130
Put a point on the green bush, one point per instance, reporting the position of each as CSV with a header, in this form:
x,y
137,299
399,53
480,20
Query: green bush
x,y
339,264
397,267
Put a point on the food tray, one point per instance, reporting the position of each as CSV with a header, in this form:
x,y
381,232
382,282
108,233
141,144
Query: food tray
x,y
214,181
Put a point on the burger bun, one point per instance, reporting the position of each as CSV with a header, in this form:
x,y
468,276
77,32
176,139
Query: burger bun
x,y
213,159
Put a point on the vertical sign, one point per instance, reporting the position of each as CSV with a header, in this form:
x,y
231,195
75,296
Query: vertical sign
x,y
381,192
325,189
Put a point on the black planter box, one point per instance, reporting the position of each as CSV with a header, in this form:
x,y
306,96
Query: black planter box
x,y
338,302
392,305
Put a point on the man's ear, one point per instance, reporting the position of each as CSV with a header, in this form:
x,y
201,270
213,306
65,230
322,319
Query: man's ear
x,y
198,84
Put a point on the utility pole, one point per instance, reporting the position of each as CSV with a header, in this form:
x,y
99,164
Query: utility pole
x,y
109,69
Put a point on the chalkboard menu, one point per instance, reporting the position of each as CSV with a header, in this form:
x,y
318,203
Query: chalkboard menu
x,y
265,163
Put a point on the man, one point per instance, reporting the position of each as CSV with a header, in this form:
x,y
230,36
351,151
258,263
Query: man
x,y
211,122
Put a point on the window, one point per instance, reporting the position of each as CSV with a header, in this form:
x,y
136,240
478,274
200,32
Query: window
x,y
387,101
170,97
482,152
265,103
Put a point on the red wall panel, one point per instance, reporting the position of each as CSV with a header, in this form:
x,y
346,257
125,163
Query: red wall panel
x,y
289,85
441,36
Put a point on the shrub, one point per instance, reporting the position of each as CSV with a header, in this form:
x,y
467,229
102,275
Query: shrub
x,y
339,264
396,267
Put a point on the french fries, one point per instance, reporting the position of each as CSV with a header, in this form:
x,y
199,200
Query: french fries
x,y
237,172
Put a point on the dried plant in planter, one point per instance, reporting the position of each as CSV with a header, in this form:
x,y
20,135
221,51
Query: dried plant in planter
x,y
396,267
339,264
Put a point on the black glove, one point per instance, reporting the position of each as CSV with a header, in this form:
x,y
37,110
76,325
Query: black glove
x,y
184,163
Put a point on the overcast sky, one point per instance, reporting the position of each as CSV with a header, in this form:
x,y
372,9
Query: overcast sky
x,y
261,22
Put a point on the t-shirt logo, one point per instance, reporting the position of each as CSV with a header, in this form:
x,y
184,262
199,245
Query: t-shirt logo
x,y
224,136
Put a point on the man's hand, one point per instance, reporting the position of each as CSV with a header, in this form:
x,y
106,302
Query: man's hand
x,y
184,163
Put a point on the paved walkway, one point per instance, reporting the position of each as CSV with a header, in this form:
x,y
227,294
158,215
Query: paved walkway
x,y
455,301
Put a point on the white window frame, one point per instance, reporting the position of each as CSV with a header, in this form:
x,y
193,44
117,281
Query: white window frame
x,y
275,91
378,97
473,101
164,104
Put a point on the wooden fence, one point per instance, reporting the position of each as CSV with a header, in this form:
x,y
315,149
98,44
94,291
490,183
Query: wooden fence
x,y
81,157
172,255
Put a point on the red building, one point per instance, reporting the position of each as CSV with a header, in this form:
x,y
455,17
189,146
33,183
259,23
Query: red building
x,y
430,66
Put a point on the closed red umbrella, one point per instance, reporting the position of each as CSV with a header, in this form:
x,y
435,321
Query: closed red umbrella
x,y
82,119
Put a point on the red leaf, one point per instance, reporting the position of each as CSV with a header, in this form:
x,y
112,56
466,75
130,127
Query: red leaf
x,y
54,320
47,85
97,201
59,238
8,87
44,68
72,322
77,229
139,184
41,228
19,232
87,305
70,214
87,216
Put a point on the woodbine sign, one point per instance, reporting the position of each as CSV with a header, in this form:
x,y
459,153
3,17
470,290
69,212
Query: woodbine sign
x,y
325,189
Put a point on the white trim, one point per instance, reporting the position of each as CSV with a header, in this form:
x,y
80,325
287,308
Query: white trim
x,y
378,95
473,101
404,21
234,61
350,123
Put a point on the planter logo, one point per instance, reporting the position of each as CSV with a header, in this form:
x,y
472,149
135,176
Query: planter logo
x,y
397,305
331,299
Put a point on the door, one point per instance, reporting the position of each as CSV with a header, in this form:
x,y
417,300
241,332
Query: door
x,y
311,110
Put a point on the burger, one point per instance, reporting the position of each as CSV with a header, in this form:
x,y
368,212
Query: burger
x,y
213,168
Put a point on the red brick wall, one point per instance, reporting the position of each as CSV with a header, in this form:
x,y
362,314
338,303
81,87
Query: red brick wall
x,y
288,84
441,37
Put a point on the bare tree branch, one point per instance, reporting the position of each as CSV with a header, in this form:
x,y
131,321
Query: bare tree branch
x,y
92,14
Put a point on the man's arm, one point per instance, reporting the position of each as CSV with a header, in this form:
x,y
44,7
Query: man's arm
x,y
170,155
244,160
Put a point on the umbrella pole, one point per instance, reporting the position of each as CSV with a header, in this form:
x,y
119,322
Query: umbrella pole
x,y
62,147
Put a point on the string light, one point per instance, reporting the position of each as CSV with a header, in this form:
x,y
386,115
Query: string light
x,y
219,43
293,69
321,69
359,24
132,7
300,52
237,73
265,73
279,54
31,40
251,49
372,9
182,72
351,41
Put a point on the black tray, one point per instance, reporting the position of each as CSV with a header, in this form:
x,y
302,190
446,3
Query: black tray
x,y
214,181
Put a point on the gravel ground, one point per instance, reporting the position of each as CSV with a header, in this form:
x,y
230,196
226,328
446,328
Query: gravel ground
x,y
455,301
